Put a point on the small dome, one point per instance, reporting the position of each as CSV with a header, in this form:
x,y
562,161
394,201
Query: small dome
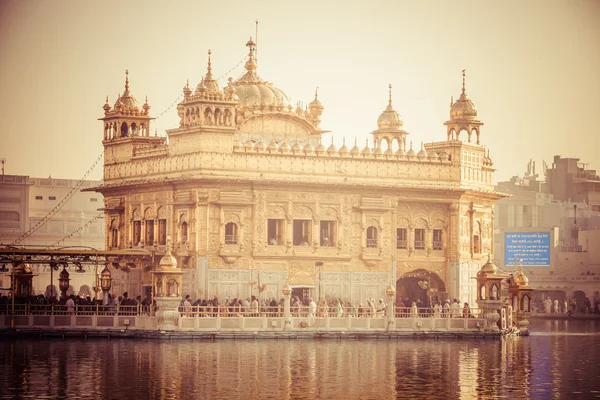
x,y
377,151
208,85
463,108
443,156
401,153
296,148
422,154
389,118
272,146
260,146
411,153
389,152
168,261
320,149
249,145
355,150
332,149
308,148
237,144
433,156
367,149
488,267
520,279
284,147
126,102
343,150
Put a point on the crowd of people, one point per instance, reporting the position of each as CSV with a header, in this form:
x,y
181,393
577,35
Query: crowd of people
x,y
567,306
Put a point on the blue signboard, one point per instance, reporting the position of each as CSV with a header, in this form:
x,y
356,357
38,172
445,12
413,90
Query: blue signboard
x,y
533,248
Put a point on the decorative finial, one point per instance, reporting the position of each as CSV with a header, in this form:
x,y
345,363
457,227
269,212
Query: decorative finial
x,y
317,93
187,83
155,131
355,141
126,81
390,101
209,64
146,98
106,99
463,87
451,101
344,140
332,140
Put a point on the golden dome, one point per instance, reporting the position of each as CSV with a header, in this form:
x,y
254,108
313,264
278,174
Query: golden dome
x,y
272,145
488,267
309,149
343,150
126,102
389,118
355,150
249,145
331,149
252,91
422,154
411,153
367,149
284,147
401,153
463,108
260,146
320,149
208,85
444,156
296,148
237,144
520,279
168,261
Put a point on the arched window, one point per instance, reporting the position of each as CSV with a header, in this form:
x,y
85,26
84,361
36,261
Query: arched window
x,y
371,237
525,303
133,129
482,292
231,233
184,232
494,293
124,129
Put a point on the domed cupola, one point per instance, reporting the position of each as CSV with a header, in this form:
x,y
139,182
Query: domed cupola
x,y
389,126
389,118
126,103
463,117
366,151
237,145
249,145
284,147
208,86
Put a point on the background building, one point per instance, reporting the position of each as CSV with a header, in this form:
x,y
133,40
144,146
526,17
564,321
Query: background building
x,y
552,228
25,205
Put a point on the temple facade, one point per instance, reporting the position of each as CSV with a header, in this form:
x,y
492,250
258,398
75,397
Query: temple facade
x,y
252,198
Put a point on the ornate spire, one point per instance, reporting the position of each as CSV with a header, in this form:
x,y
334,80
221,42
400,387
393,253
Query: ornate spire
x,y
390,101
463,86
251,63
126,83
209,69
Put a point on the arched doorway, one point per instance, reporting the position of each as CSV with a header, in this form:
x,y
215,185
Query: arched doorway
x,y
420,286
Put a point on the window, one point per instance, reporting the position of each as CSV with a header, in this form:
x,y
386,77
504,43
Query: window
x,y
302,236
114,237
137,233
401,238
231,236
184,232
419,239
51,197
150,232
162,232
371,237
437,239
93,199
476,244
39,197
275,232
328,235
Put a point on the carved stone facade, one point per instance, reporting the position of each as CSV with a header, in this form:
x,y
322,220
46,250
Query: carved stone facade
x,y
247,210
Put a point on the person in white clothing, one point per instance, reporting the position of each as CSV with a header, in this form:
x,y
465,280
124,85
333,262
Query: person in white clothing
x,y
70,305
312,307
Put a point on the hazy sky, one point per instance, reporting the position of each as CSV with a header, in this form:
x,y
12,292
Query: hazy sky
x,y
533,69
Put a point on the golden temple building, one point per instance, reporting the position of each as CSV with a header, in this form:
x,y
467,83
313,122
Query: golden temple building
x,y
252,198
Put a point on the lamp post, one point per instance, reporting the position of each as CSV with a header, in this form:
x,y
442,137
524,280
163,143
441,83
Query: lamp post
x,y
391,294
63,281
319,264
105,280
287,315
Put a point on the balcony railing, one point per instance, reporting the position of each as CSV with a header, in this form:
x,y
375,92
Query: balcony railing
x,y
231,239
419,244
372,243
401,244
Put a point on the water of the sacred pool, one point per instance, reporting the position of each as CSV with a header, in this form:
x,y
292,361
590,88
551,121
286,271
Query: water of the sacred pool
x,y
560,360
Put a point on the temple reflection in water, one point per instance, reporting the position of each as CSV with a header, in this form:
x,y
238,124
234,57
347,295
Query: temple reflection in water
x,y
540,365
